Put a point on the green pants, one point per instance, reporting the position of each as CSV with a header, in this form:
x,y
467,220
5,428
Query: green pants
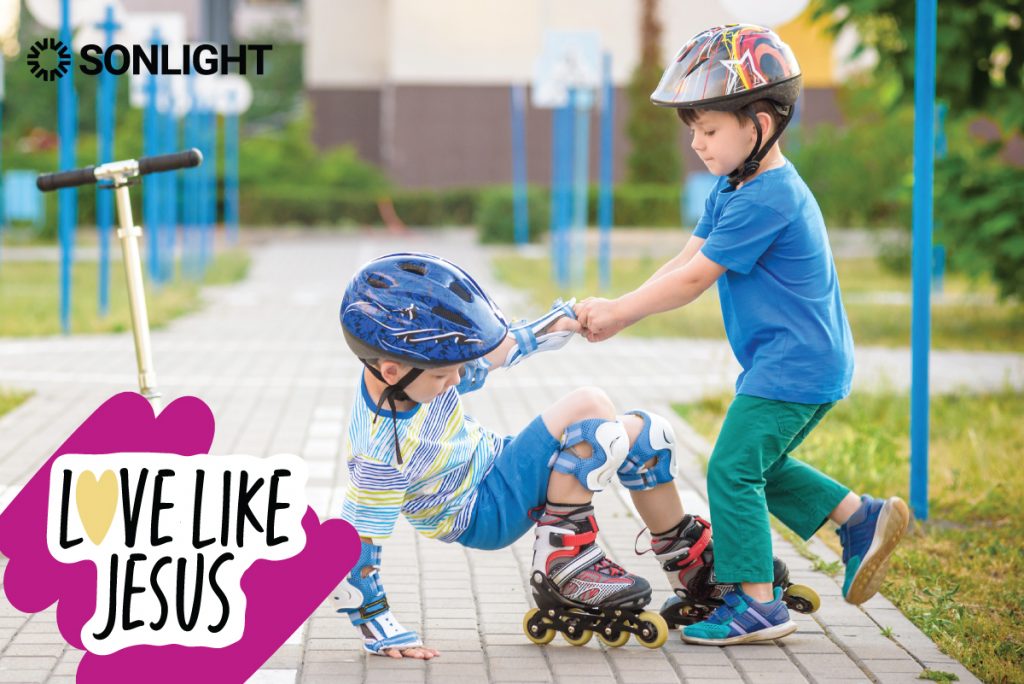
x,y
751,474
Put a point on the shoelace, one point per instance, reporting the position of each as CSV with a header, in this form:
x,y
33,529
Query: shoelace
x,y
613,569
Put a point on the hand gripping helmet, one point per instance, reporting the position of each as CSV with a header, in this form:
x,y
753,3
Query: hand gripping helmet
x,y
421,310
727,68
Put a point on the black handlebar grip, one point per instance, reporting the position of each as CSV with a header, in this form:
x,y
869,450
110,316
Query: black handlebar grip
x,y
170,162
66,179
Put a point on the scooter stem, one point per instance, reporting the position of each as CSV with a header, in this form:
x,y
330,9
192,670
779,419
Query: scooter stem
x,y
129,235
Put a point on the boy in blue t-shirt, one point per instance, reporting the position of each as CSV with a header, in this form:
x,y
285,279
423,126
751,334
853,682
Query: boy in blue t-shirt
x,y
762,238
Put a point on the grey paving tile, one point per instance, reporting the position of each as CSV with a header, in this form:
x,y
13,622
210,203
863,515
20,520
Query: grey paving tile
x,y
281,381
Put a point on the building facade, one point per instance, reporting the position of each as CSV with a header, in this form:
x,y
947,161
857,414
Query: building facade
x,y
422,89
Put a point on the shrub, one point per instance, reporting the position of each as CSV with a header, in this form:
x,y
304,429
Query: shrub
x,y
495,215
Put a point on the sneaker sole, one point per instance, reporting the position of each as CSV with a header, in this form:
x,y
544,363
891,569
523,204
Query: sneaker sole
x,y
893,521
760,636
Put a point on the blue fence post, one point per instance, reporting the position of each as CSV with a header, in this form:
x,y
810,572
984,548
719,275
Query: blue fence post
x,y
211,176
924,170
3,190
205,193
605,206
106,99
67,197
151,187
558,141
169,190
520,207
231,173
939,251
565,222
584,101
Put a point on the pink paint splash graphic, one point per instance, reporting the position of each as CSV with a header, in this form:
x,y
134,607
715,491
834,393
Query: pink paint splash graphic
x,y
280,595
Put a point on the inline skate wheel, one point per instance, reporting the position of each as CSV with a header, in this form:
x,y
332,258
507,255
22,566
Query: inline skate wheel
x,y
802,598
613,639
536,629
653,630
581,639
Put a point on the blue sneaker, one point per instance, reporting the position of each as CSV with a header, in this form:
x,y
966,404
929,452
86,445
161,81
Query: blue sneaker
x,y
869,537
741,620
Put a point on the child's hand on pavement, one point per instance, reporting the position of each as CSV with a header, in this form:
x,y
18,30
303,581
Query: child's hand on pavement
x,y
599,318
417,652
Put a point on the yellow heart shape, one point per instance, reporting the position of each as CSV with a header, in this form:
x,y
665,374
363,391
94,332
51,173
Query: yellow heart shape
x,y
97,501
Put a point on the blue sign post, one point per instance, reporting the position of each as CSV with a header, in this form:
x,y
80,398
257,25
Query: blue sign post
x,y
561,181
924,171
106,98
565,78
520,207
605,206
583,100
67,125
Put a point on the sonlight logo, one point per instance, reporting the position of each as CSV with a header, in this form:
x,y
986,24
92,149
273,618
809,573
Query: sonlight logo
x,y
39,50
157,60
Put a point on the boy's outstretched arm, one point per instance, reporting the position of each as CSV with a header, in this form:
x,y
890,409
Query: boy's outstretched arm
x,y
689,250
361,597
602,318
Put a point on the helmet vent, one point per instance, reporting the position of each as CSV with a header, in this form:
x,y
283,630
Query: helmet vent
x,y
460,291
452,316
377,282
412,267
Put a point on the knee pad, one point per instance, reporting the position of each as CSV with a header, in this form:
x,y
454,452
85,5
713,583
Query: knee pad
x,y
657,440
610,444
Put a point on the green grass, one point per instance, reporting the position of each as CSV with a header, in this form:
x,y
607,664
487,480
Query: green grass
x,y
30,296
10,400
960,576
992,327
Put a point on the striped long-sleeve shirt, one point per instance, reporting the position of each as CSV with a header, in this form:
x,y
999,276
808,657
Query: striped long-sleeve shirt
x,y
445,455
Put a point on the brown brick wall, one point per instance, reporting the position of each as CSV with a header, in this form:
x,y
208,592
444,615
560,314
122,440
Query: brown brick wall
x,y
450,136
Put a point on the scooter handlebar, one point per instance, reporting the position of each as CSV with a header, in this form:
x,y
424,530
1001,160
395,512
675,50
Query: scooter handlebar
x,y
66,179
85,176
170,162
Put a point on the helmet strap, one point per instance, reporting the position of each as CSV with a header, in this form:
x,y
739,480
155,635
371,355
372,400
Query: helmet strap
x,y
753,161
391,394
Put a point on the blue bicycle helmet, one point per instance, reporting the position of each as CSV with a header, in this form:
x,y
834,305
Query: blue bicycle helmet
x,y
421,310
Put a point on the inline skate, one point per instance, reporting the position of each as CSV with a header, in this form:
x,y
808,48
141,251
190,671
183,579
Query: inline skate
x,y
580,592
689,562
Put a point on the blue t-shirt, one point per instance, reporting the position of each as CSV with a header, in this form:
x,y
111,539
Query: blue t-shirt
x,y
780,296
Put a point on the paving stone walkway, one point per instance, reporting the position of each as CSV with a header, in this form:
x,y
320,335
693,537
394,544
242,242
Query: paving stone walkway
x,y
269,359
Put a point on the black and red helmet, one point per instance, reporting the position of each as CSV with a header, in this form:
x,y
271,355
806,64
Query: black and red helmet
x,y
728,67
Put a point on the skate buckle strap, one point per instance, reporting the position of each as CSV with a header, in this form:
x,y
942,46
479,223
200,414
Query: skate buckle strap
x,y
705,536
562,541
695,550
577,540
374,608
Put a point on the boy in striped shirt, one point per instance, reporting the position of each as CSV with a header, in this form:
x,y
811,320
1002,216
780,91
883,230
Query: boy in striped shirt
x,y
426,333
